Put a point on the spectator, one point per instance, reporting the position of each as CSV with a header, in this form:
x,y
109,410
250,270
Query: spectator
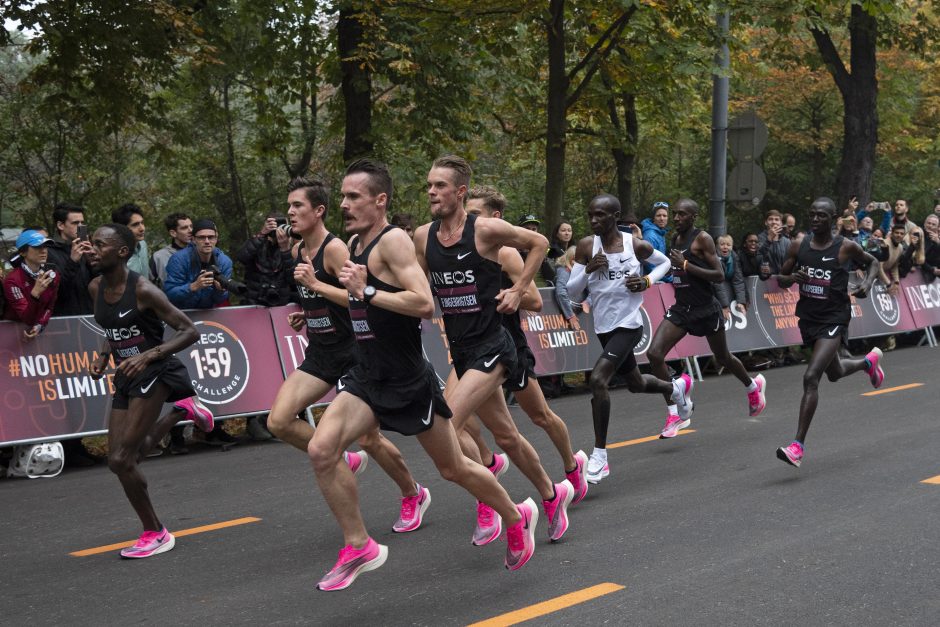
x,y
180,228
66,256
898,257
132,216
654,231
936,210
732,287
848,228
931,265
546,271
752,261
901,217
562,297
773,244
560,240
190,274
404,221
30,289
790,230
268,264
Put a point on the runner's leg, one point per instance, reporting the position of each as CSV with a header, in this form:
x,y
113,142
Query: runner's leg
x,y
824,352
667,336
533,403
298,392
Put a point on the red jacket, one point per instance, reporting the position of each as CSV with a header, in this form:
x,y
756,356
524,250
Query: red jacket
x,y
20,304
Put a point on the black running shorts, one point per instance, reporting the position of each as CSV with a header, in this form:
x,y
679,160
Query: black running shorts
x,y
486,355
407,407
169,371
518,379
329,364
699,321
618,347
812,331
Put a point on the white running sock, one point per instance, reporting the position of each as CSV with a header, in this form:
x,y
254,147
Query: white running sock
x,y
600,453
753,386
676,390
673,410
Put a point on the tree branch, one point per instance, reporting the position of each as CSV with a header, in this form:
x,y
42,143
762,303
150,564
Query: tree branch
x,y
830,56
598,59
617,24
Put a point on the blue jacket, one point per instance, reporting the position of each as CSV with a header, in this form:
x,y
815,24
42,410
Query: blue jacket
x,y
183,268
656,236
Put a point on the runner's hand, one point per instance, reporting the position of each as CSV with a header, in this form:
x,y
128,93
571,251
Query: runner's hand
x,y
635,283
297,320
800,277
508,300
353,277
305,275
97,367
133,366
599,261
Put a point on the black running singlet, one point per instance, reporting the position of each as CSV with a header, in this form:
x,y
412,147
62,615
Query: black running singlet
x,y
129,331
389,342
465,284
691,291
327,323
513,321
824,298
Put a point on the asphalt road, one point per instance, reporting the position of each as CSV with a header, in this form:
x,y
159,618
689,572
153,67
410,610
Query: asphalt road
x,y
706,529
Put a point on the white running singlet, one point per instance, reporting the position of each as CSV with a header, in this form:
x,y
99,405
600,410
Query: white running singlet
x,y
613,305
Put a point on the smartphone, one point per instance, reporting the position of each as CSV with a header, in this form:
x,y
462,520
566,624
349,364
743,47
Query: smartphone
x,y
83,232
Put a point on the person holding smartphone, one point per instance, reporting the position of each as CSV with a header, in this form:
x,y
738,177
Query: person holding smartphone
x,y
31,288
67,252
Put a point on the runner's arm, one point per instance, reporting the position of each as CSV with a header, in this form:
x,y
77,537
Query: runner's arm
x,y
786,278
511,261
494,233
706,250
578,280
865,260
334,256
149,297
660,262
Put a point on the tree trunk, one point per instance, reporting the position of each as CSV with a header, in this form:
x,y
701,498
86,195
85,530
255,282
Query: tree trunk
x,y
624,151
238,226
356,85
860,102
557,115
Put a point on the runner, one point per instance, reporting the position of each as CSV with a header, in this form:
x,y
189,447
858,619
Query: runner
x,y
132,311
522,382
331,349
460,253
610,265
393,386
820,265
695,266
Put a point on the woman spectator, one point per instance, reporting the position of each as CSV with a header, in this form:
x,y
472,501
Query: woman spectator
x,y
931,265
732,288
560,240
562,273
30,290
752,262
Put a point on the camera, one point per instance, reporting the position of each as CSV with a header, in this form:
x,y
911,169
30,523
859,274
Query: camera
x,y
231,285
884,206
270,295
287,228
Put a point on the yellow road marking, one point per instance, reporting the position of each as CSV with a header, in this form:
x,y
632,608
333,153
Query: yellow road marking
x,y
178,534
651,438
547,607
894,389
933,480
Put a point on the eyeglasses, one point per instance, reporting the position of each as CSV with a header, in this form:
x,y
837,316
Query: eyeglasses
x,y
206,238
660,205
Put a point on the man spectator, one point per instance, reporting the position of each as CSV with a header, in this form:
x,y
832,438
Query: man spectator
x,y
404,221
898,256
772,243
789,226
66,256
931,265
531,223
180,228
132,216
268,264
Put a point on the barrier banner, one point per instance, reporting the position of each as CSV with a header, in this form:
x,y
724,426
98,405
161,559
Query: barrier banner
x,y
923,299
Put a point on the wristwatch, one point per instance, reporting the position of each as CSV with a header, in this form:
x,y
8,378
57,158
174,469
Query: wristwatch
x,y
368,293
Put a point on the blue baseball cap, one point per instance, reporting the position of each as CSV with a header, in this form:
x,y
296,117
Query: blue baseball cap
x,y
31,238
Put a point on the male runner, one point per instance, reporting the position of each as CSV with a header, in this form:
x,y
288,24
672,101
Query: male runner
x,y
695,266
132,311
393,386
610,265
488,202
460,254
331,349
820,265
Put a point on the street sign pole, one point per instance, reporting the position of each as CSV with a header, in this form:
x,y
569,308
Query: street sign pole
x,y
719,165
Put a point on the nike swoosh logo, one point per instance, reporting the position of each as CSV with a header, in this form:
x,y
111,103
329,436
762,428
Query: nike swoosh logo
x,y
720,320
487,364
459,257
611,354
145,389
624,260
340,385
522,383
833,332
124,313
427,421
828,258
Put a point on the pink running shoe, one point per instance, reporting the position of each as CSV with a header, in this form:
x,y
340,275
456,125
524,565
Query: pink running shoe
x,y
149,544
357,461
489,525
673,425
412,510
351,562
875,373
556,510
792,454
578,477
500,465
520,538
197,412
682,395
757,400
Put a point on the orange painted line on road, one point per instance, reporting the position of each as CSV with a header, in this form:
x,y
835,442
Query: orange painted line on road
x,y
547,607
894,389
178,534
933,480
651,438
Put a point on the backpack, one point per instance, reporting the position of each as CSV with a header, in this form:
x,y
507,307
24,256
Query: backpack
x,y
37,460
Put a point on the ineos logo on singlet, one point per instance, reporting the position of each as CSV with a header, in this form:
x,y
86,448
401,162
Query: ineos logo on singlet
x,y
305,293
457,277
817,273
614,275
123,333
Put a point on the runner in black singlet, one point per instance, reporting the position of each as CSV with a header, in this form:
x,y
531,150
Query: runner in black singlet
x,y
331,349
488,202
820,262
695,267
460,253
393,386
132,312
